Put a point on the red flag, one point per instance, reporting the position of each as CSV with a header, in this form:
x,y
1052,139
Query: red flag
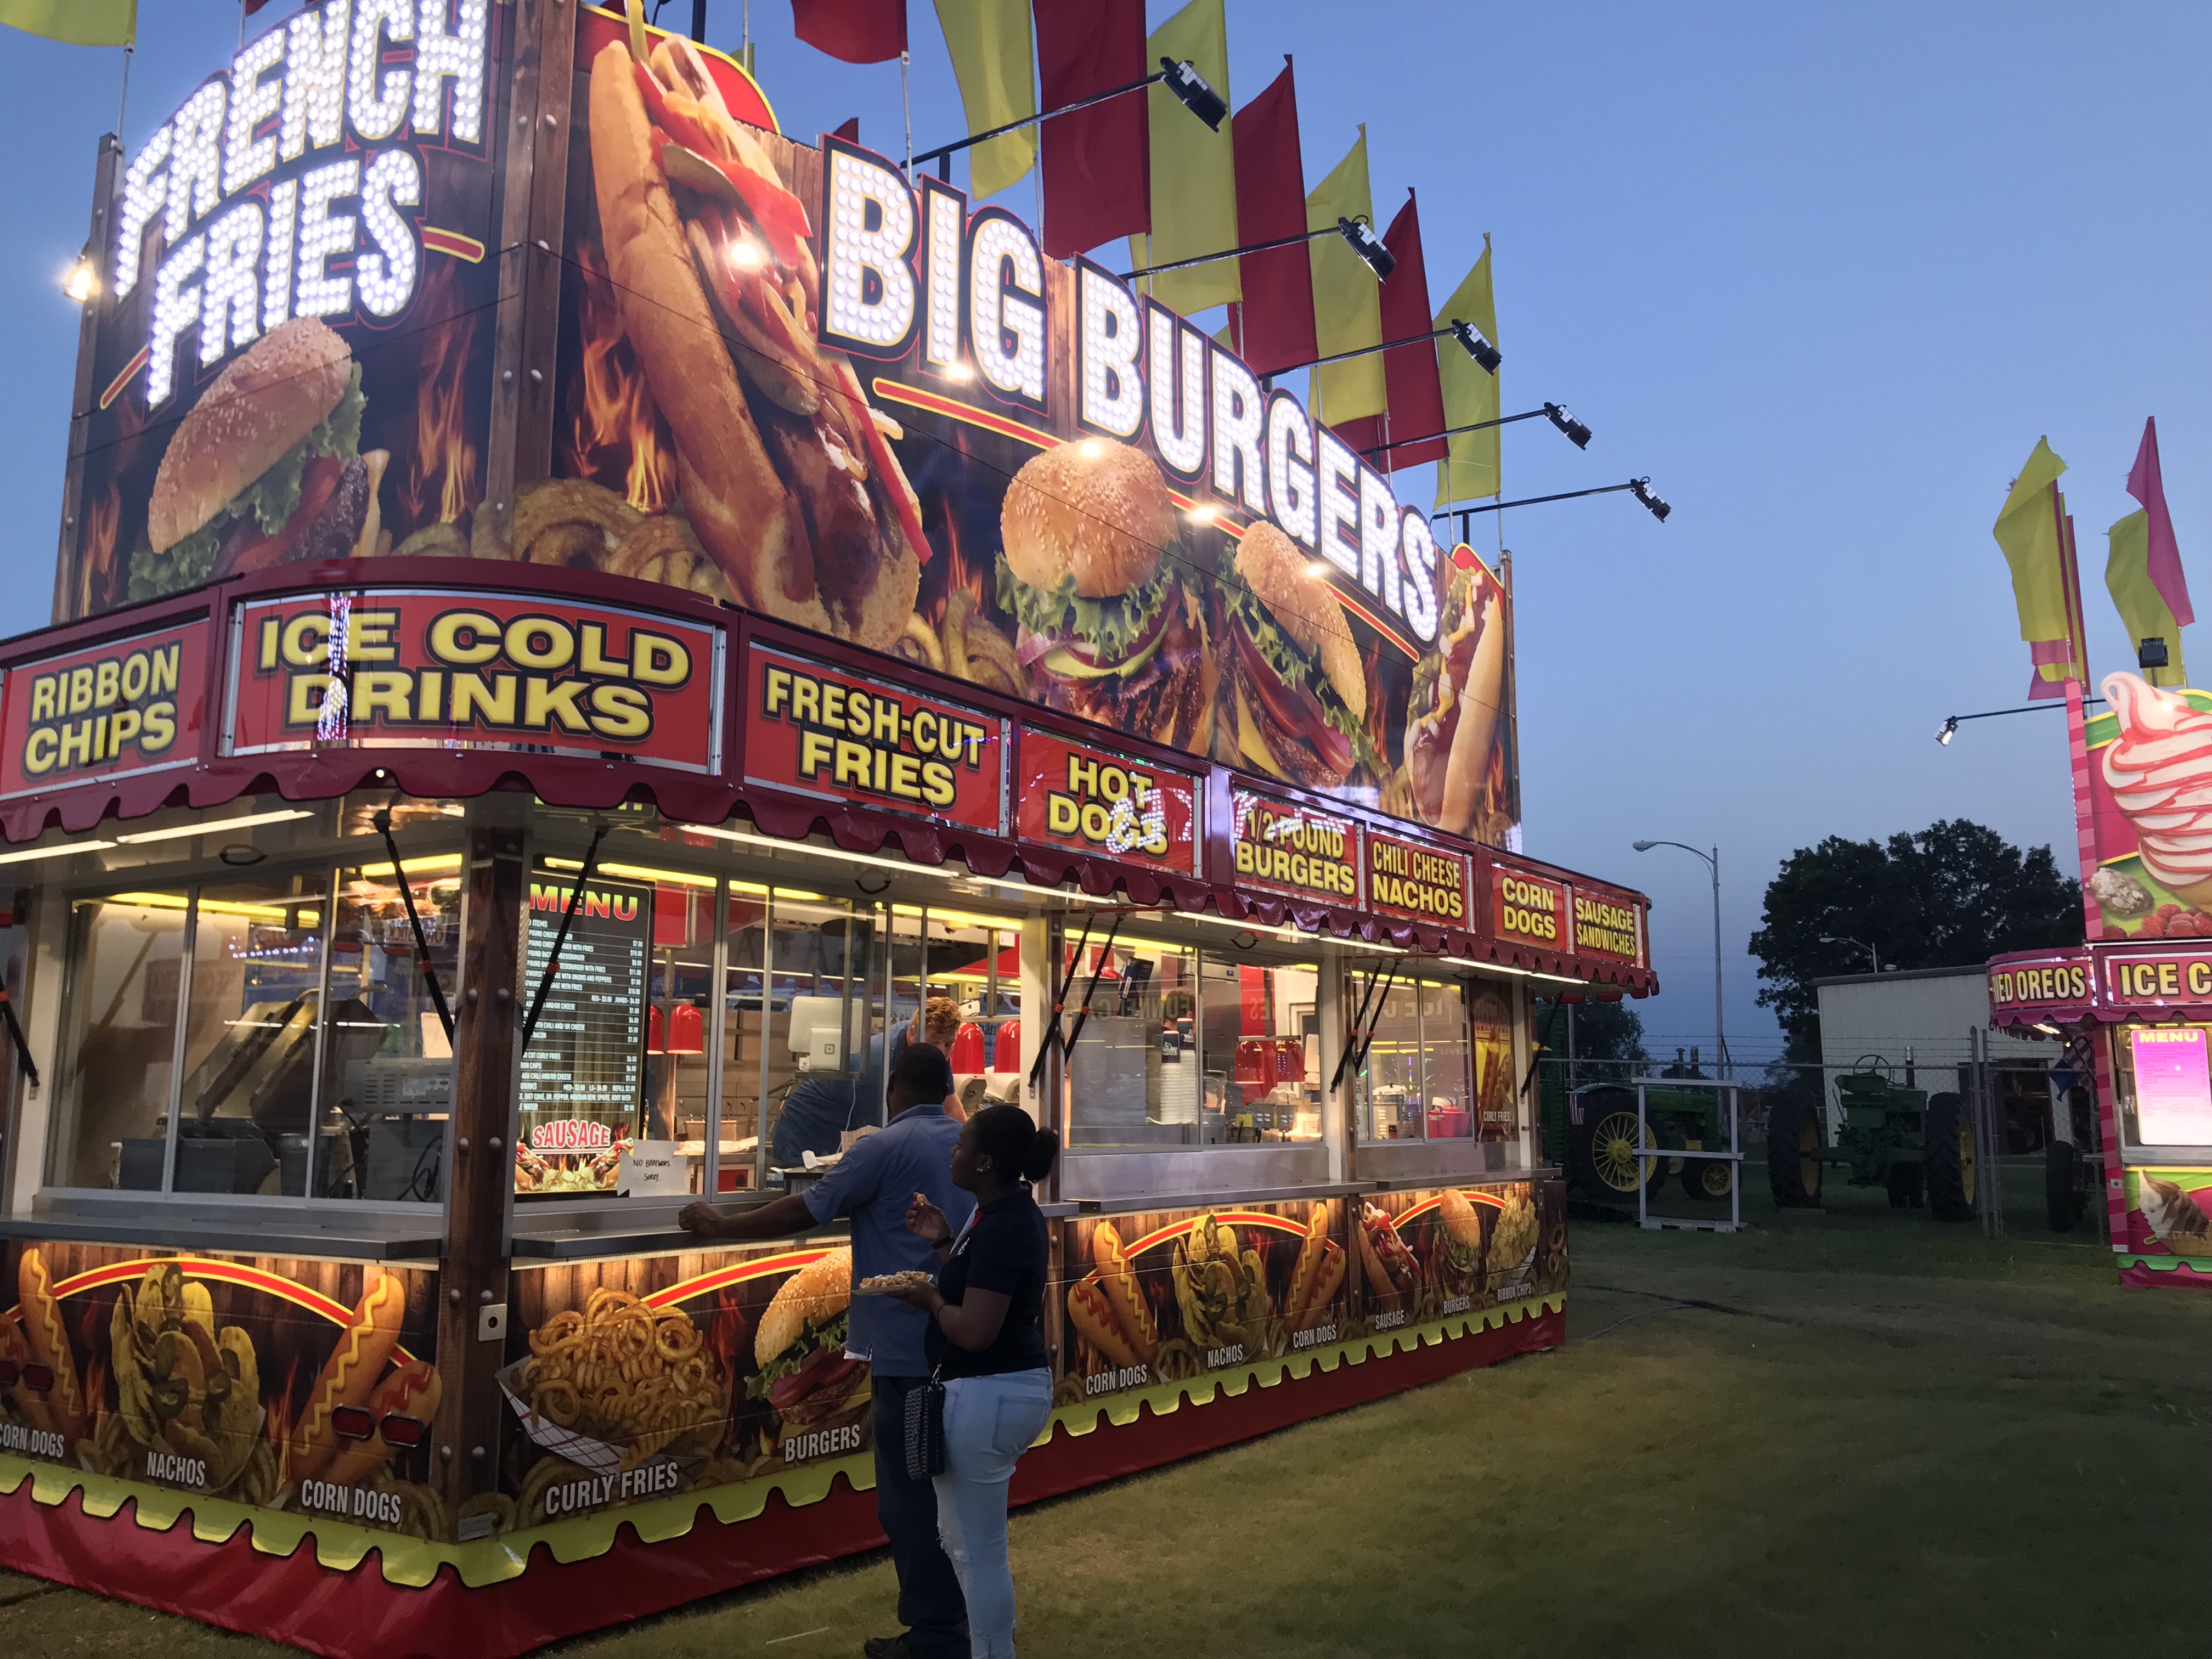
x,y
1409,374
1098,162
856,31
850,131
1274,328
2164,564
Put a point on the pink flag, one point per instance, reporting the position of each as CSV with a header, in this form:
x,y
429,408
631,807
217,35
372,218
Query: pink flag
x,y
2164,564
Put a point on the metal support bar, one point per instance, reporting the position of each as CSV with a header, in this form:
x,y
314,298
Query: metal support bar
x,y
1049,1036
1351,1041
1067,1043
561,938
382,821
943,153
18,1041
1451,431
1355,1055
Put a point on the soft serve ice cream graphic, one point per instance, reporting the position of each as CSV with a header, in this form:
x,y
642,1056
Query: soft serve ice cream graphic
x,y
2159,771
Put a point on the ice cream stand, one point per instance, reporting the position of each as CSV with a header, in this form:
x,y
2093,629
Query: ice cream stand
x,y
501,770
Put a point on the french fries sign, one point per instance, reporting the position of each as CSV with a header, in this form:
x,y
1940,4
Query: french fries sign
x,y
1095,802
814,729
105,711
455,669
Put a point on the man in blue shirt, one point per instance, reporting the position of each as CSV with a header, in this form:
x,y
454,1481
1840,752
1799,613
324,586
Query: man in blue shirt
x,y
818,1109
871,1186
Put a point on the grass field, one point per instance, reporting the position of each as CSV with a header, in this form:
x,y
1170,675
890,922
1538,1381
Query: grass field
x,y
1884,1436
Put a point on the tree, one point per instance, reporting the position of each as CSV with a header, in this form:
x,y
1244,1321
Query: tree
x,y
1609,1039
1952,896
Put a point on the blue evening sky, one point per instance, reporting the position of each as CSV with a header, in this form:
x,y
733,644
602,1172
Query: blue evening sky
x,y
1824,273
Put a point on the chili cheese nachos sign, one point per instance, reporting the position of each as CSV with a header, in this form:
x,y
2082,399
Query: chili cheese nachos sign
x,y
1286,849
105,711
450,669
814,729
1096,802
1410,879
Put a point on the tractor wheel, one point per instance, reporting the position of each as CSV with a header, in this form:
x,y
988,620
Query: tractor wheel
x,y
1708,1179
2065,1192
1793,1154
1947,1158
1603,1157
1903,1182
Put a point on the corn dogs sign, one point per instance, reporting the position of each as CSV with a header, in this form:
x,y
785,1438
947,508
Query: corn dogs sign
x,y
457,669
106,711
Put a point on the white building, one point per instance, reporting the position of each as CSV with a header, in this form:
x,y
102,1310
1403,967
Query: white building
x,y
1913,1026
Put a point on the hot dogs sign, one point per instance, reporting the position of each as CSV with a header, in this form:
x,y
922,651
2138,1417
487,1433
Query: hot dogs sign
x,y
783,376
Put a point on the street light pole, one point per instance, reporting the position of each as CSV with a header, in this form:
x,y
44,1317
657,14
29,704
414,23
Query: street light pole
x,y
1712,858
1873,955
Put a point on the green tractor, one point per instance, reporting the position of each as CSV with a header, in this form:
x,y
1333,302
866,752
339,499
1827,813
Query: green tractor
x,y
1915,1145
1602,1163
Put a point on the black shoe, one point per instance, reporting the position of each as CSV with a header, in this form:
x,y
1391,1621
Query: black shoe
x,y
887,1647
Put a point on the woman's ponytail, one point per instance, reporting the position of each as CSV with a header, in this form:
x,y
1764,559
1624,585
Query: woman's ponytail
x,y
1044,1151
1015,1144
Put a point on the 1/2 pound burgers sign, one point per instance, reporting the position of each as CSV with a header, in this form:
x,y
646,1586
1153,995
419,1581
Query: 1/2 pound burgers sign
x,y
816,730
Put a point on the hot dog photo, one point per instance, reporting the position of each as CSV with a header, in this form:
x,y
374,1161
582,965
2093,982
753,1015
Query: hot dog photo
x,y
1163,1299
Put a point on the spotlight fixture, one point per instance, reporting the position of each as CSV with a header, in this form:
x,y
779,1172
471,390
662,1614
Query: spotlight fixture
x,y
1577,434
1188,84
1369,246
81,282
1950,729
2151,653
1476,347
1650,498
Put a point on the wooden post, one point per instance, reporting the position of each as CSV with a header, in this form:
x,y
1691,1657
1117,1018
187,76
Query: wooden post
x,y
534,201
70,600
473,1274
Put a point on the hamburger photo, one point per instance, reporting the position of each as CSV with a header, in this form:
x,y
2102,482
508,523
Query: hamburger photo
x,y
1451,724
1106,626
1459,1246
784,471
264,469
1294,691
805,1375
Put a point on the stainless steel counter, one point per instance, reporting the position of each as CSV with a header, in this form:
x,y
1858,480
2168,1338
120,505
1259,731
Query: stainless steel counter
x,y
342,1232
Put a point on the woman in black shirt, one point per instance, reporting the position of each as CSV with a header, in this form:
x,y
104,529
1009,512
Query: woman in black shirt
x,y
987,1341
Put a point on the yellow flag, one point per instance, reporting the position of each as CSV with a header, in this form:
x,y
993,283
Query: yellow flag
x,y
993,59
1194,171
1470,469
2142,608
2027,529
80,22
1347,299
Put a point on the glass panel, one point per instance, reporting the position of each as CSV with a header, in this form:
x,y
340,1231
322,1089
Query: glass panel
x,y
249,1094
974,983
1497,1090
126,960
1446,1084
1262,1049
1395,1085
581,1089
807,1031
1136,1075
387,1068
681,984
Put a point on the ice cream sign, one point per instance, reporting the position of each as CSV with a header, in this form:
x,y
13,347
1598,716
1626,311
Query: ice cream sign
x,y
286,187
2150,786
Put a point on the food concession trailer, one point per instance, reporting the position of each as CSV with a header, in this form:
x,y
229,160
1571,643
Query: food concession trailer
x,y
501,770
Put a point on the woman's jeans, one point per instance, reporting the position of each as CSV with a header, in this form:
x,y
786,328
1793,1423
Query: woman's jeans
x,y
989,1422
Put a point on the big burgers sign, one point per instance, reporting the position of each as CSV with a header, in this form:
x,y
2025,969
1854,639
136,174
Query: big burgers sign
x,y
780,376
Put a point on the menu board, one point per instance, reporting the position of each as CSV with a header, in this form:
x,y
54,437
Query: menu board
x,y
583,1073
2173,1086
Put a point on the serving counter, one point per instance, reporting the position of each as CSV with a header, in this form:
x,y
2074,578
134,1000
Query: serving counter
x,y
483,836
